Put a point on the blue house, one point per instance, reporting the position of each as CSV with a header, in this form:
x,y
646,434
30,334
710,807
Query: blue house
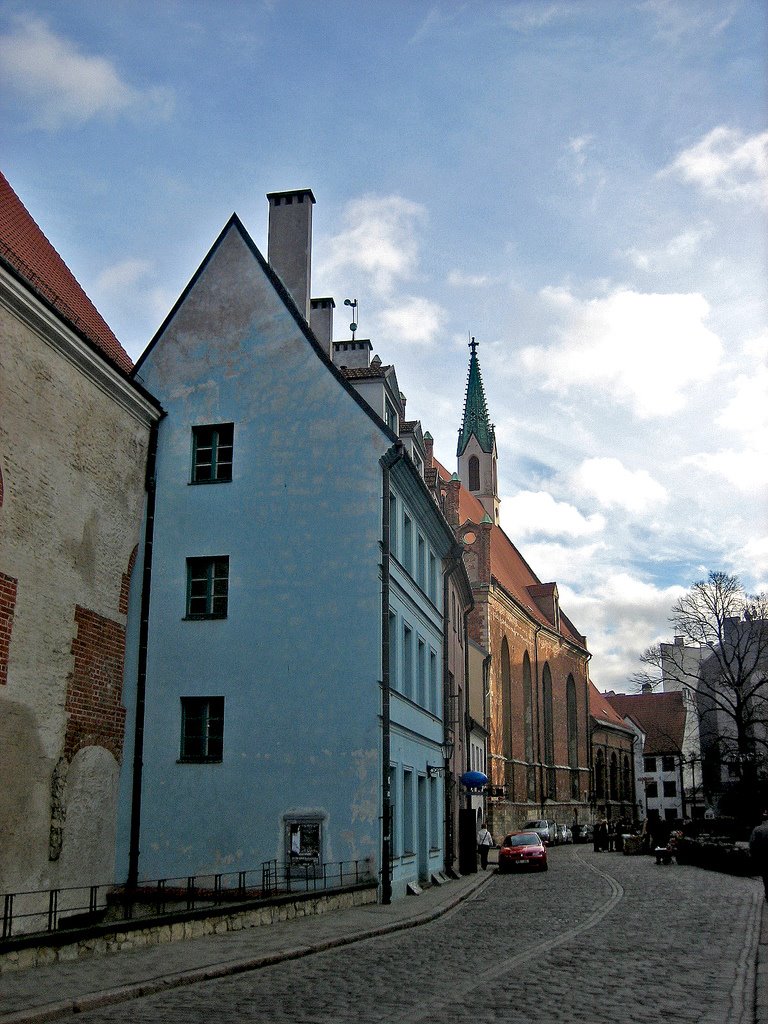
x,y
285,635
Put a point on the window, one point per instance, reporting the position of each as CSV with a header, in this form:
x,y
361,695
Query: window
x,y
432,577
670,789
212,453
433,690
393,681
407,661
393,525
407,829
434,816
670,814
652,790
668,763
391,417
202,729
207,587
407,555
421,562
573,723
394,833
649,764
474,473
421,692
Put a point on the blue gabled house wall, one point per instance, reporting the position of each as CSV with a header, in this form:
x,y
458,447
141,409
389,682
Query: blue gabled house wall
x,y
295,657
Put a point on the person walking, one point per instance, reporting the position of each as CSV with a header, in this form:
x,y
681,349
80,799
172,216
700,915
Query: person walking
x,y
484,844
758,847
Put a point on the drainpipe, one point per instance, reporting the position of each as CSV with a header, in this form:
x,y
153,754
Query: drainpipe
x,y
390,459
141,681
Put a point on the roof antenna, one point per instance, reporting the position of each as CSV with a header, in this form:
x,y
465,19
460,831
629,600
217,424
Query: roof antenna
x,y
353,325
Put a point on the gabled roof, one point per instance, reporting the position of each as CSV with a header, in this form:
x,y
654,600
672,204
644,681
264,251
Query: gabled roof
x,y
507,564
27,251
475,420
661,716
601,709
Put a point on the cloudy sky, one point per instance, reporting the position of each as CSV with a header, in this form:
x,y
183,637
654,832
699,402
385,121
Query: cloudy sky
x,y
580,184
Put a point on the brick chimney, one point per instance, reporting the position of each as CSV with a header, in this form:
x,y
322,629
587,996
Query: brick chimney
x,y
289,245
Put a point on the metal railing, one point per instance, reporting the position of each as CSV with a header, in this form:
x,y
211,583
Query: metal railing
x,y
54,910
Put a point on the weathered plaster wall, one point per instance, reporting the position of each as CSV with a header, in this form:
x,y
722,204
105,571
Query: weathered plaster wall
x,y
73,473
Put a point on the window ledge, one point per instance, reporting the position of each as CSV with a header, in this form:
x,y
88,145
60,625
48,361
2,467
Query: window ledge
x,y
200,760
204,483
199,618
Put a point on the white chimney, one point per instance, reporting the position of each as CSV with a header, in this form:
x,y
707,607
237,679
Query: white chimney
x,y
321,322
289,245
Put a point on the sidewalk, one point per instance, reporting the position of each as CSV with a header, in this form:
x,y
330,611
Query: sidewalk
x,y
55,991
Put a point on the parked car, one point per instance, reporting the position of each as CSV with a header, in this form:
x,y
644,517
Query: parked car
x,y
546,830
585,835
522,850
564,834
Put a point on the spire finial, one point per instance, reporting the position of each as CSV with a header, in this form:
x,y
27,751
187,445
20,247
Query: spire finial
x,y
473,346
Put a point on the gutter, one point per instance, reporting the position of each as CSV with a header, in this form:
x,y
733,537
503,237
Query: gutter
x,y
141,681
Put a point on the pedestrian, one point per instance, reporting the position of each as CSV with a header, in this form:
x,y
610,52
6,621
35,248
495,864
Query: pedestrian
x,y
484,844
601,836
758,847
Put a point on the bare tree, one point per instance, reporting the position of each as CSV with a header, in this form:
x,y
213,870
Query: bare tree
x,y
719,661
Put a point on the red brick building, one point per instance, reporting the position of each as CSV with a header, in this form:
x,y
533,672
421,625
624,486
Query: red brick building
x,y
538,701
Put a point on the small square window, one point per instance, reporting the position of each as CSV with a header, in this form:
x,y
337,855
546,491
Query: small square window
x,y
652,790
212,453
670,789
207,587
650,764
668,763
202,729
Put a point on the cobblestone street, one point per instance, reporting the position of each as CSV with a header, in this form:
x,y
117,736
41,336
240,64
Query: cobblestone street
x,y
598,938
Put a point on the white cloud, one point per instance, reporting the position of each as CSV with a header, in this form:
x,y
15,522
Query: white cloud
x,y
122,275
675,19
752,559
746,413
647,348
745,471
679,250
457,279
413,320
65,85
379,240
616,486
726,165
532,513
524,17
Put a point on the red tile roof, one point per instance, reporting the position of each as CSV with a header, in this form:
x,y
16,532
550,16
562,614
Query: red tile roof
x,y
661,716
601,709
26,249
508,565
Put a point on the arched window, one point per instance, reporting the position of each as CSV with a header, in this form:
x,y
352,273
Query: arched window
x,y
626,780
600,775
528,726
549,732
614,778
506,702
474,473
573,723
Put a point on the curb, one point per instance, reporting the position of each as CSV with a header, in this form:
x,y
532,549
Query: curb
x,y
152,986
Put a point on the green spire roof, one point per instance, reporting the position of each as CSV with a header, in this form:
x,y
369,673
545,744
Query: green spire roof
x,y
475,409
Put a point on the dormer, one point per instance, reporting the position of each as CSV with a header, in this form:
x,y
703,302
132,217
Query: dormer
x,y
547,600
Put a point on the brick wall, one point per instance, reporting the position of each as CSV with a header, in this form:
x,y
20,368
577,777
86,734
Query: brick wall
x,y
7,608
95,714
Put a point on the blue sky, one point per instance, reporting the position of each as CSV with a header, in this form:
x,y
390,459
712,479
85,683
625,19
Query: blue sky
x,y
582,185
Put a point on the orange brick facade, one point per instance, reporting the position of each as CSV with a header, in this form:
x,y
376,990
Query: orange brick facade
x,y
95,714
7,607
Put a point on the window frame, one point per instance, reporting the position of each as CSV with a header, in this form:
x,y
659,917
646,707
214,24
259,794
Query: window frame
x,y
210,738
211,580
220,469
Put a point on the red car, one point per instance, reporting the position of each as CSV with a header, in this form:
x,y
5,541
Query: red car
x,y
522,850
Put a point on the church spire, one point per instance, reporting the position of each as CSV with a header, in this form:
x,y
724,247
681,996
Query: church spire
x,y
477,442
475,409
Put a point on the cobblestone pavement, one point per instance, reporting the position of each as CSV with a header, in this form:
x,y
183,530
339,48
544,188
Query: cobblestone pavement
x,y
598,938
